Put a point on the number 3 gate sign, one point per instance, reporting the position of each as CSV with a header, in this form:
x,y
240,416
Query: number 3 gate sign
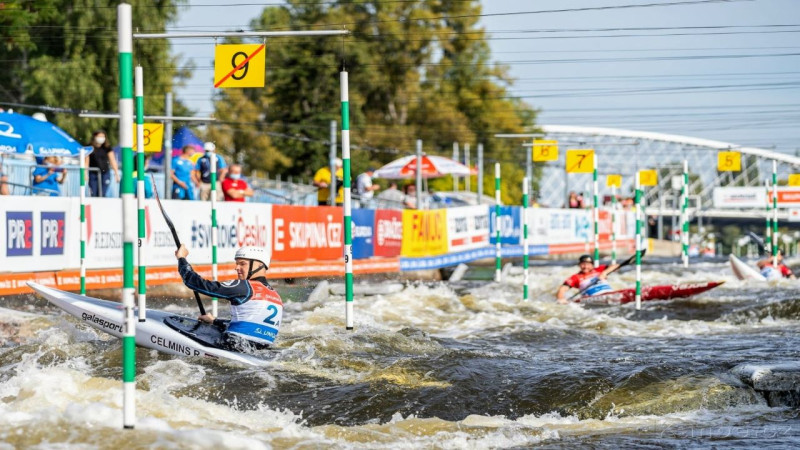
x,y
239,66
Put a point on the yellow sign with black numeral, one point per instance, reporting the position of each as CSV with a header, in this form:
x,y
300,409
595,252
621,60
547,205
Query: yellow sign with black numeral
x,y
153,137
648,177
794,179
729,161
614,180
580,161
544,150
239,65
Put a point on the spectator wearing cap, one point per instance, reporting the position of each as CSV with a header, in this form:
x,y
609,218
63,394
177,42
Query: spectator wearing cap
x,y
322,180
365,189
202,172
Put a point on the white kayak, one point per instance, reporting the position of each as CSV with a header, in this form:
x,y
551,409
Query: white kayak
x,y
162,331
743,271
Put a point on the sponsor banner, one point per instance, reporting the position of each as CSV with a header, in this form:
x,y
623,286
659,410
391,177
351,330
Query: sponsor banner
x,y
548,226
424,233
787,197
238,225
467,228
307,232
451,259
740,197
35,234
510,225
388,232
362,228
104,233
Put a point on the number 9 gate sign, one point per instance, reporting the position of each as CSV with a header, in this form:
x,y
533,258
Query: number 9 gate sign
x,y
239,66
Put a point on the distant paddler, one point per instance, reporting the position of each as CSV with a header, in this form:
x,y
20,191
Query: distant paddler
x,y
590,280
256,308
770,272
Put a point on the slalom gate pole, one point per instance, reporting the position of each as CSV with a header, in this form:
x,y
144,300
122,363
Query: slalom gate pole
x,y
418,177
525,278
348,232
595,214
498,273
768,234
125,48
775,213
685,214
140,252
468,178
83,220
638,200
214,230
455,158
613,224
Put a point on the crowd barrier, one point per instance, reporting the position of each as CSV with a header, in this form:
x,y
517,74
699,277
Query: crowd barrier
x,y
41,238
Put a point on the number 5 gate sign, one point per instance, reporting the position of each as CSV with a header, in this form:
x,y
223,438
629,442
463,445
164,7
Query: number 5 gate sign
x,y
239,66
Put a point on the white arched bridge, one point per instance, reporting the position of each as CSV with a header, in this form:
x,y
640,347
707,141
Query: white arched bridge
x,y
626,151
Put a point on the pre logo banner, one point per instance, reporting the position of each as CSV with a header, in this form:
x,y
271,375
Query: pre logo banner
x,y
510,225
424,233
307,232
362,231
388,232
34,234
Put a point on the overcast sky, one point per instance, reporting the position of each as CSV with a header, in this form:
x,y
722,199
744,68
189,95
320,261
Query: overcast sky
x,y
718,69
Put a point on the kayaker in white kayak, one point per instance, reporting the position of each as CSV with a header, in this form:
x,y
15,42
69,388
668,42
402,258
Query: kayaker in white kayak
x,y
256,308
589,280
770,272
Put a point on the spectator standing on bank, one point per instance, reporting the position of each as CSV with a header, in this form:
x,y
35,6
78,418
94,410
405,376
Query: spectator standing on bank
x,y
101,162
48,177
4,190
392,195
410,200
365,189
322,180
202,172
182,167
234,187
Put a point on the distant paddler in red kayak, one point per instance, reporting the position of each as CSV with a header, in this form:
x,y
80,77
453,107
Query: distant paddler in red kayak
x,y
590,280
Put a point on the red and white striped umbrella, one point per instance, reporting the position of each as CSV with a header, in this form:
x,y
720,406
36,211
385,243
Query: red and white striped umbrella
x,y
432,167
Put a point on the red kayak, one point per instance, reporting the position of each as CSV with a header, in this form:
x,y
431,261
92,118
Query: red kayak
x,y
666,292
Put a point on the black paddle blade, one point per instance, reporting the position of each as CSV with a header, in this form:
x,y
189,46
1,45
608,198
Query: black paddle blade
x,y
164,213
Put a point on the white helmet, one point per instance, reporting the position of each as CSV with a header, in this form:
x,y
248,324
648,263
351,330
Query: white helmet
x,y
209,147
254,253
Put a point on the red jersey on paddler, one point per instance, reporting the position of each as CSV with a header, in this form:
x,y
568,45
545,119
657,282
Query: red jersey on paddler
x,y
582,280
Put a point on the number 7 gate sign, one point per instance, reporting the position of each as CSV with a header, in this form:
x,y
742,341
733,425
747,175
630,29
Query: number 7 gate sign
x,y
580,161
239,66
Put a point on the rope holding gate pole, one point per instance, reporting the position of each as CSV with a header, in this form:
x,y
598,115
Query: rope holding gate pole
x,y
348,231
142,284
525,278
83,220
498,273
214,230
125,47
685,214
638,200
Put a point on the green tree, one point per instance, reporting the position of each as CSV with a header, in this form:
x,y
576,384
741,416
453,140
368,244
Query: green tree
x,y
63,54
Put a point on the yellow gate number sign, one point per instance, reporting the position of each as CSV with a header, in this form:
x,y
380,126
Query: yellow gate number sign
x,y
153,137
614,181
794,179
580,161
239,66
648,177
545,150
729,161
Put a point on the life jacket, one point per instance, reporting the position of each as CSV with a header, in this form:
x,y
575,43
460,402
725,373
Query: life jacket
x,y
259,318
585,282
770,272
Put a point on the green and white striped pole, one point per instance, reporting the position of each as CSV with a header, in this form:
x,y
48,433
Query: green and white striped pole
x,y
525,239
638,200
768,235
142,285
125,45
685,214
498,273
83,220
775,213
348,231
214,230
613,224
595,213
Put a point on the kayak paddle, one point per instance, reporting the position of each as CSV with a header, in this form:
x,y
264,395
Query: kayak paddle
x,y
176,238
596,280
